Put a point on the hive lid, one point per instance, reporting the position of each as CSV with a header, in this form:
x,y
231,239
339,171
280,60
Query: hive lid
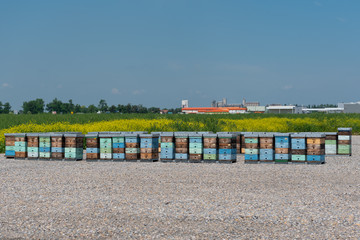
x,y
105,135
167,134
148,135
315,135
225,135
210,135
140,132
44,134
56,134
250,134
342,129
331,133
131,135
92,135
33,134
73,135
298,135
9,134
203,132
117,134
181,134
266,134
197,135
282,134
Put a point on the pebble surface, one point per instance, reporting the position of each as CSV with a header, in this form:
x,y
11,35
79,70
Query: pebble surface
x,y
84,200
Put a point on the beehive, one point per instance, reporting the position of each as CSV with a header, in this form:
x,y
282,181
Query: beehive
x,y
9,145
344,141
132,146
210,147
167,146
331,143
57,146
282,147
298,147
195,147
149,147
20,146
251,144
315,148
181,146
105,139
44,146
33,145
118,146
227,147
266,146
92,146
74,145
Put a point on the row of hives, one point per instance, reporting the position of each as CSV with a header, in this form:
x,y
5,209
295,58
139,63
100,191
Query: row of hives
x,y
180,146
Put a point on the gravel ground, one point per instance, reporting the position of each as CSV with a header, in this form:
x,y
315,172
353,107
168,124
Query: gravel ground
x,y
57,200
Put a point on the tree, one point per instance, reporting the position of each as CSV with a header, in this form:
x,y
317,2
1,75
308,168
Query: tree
x,y
103,107
112,109
56,105
92,108
7,108
33,106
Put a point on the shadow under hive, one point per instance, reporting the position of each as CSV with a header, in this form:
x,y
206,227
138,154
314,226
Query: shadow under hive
x,y
251,147
57,146
44,146
210,147
298,147
266,147
74,144
92,146
282,147
20,146
344,141
181,146
118,146
33,145
132,146
227,147
149,147
167,146
331,143
9,145
105,140
315,147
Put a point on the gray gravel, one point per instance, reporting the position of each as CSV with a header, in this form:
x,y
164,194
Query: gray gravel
x,y
52,200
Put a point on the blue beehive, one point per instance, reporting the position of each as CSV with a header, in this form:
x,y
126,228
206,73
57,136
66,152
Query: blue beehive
x,y
298,147
266,147
282,147
251,147
227,147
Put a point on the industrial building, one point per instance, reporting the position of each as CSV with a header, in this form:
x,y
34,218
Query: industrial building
x,y
213,110
352,107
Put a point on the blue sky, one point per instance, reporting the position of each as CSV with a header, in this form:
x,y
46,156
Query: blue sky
x,y
158,52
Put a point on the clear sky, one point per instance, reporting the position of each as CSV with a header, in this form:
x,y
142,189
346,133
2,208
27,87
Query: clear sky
x,y
158,52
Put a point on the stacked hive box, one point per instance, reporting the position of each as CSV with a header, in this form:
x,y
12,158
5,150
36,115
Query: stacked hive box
x,y
167,147
195,147
74,145
92,146
44,146
315,148
33,145
344,141
132,146
331,143
298,148
149,147
266,147
181,146
57,146
210,147
105,146
251,143
9,145
238,142
20,146
227,147
282,147
118,146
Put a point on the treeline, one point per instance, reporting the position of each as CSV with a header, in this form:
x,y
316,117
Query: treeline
x,y
38,106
